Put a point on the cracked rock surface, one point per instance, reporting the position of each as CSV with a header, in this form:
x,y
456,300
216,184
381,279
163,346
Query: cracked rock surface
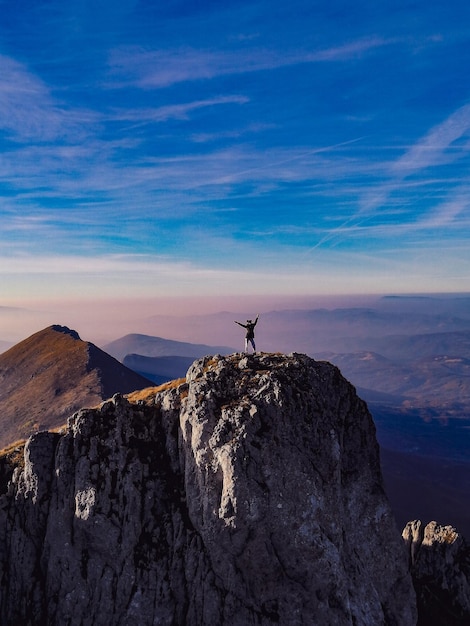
x,y
250,493
440,567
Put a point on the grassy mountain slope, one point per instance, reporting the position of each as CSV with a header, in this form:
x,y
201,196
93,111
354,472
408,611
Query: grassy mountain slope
x,y
50,375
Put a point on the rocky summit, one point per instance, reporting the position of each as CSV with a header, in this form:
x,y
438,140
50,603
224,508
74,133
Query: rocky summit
x,y
248,493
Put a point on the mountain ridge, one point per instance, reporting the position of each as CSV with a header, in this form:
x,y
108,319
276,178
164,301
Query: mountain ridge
x,y
159,369
153,346
48,376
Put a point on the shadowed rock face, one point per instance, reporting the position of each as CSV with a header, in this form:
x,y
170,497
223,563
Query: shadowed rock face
x,y
440,566
249,494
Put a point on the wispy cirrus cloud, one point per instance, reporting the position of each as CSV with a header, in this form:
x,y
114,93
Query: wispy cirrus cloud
x,y
95,175
149,69
179,111
437,146
29,112
24,102
452,212
444,143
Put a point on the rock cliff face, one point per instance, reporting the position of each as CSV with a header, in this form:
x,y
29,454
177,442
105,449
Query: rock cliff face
x,y
249,493
440,566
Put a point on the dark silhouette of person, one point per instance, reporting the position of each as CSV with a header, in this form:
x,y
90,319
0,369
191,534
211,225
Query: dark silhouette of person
x,y
250,333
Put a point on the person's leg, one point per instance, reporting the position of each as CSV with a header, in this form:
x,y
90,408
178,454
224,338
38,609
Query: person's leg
x,y
253,344
246,344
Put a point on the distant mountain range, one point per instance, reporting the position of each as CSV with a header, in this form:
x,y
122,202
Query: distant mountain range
x,y
438,378
150,346
159,369
159,359
410,347
311,331
50,375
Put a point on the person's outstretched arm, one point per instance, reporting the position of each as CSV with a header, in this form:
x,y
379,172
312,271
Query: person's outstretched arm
x,y
240,324
256,320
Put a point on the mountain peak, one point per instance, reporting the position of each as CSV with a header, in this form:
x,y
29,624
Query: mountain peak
x,y
65,330
48,376
249,492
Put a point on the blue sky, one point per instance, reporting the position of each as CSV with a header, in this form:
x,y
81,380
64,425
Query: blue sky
x,y
228,148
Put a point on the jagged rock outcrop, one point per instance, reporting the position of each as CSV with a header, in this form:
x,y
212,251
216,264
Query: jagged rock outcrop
x,y
440,566
250,493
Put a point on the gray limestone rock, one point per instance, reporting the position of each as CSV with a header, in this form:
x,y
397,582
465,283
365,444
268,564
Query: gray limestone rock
x,y
249,494
440,566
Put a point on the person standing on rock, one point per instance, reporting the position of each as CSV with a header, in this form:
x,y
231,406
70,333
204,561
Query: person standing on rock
x,y
250,333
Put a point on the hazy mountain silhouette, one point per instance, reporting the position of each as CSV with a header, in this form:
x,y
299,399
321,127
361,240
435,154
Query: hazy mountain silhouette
x,y
439,381
50,375
311,331
150,346
409,347
446,304
159,369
